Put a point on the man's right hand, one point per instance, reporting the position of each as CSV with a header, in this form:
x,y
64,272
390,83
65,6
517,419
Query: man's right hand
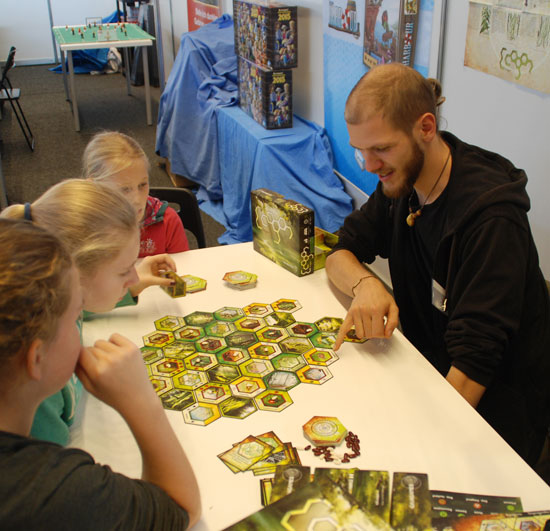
x,y
373,312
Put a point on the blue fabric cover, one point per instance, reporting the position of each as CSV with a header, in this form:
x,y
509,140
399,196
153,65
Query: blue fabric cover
x,y
209,139
203,77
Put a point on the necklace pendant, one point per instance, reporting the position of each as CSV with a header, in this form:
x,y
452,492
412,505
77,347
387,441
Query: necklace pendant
x,y
411,218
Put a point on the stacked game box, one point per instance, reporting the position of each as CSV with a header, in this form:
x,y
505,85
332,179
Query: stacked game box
x,y
283,231
266,43
266,33
266,95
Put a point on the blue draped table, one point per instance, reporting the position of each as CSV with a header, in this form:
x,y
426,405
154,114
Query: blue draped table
x,y
207,138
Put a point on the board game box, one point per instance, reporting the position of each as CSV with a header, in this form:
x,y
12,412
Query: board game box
x,y
283,231
265,94
390,33
266,33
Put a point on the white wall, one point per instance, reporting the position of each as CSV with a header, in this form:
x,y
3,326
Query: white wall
x,y
502,117
25,24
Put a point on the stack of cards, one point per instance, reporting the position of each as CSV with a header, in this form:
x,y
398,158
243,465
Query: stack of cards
x,y
260,454
178,289
241,279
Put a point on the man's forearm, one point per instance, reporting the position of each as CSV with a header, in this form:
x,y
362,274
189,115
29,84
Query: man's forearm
x,y
345,271
468,388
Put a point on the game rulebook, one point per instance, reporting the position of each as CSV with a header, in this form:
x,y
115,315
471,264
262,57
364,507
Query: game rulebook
x,y
283,231
390,31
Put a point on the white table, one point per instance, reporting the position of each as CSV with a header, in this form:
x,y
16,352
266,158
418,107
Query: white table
x,y
407,416
66,45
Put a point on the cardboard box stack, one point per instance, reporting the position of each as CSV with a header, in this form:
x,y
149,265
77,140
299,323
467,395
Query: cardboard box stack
x,y
266,43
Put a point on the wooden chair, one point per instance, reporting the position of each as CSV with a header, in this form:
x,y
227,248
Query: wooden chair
x,y
8,93
184,202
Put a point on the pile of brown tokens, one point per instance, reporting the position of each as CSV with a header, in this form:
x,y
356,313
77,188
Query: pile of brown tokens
x,y
327,452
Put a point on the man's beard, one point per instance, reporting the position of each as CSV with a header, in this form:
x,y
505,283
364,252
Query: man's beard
x,y
412,170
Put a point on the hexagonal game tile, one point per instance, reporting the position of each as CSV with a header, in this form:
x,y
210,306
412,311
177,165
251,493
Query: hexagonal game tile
x,y
247,386
161,385
194,284
189,333
296,345
300,329
158,339
241,339
272,334
256,368
352,337
286,305
324,431
241,279
189,379
281,319
264,350
167,367
281,380
272,400
228,313
323,339
314,374
250,324
329,324
199,318
212,393
223,373
201,414
200,361
179,349
257,309
320,356
151,354
177,399
219,328
232,356
210,344
169,323
288,362
237,408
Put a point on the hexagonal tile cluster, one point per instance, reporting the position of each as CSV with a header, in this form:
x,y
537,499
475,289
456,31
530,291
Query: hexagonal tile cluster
x,y
234,361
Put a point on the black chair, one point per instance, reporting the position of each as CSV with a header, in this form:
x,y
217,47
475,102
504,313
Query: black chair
x,y
8,93
184,202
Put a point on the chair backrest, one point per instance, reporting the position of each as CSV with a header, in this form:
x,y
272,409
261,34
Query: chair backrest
x,y
186,205
10,61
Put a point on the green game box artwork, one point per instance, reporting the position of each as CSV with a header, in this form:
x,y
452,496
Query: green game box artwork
x,y
283,231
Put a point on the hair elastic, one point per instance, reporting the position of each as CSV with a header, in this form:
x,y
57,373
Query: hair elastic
x,y
27,213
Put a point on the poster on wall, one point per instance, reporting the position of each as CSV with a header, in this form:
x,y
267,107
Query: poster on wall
x,y
203,12
357,35
510,40
390,32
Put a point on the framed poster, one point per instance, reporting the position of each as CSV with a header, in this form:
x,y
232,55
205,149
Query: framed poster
x,y
203,12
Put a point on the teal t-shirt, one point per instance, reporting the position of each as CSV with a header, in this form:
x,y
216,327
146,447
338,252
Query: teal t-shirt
x,y
54,416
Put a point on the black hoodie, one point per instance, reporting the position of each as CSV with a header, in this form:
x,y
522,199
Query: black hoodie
x,y
493,324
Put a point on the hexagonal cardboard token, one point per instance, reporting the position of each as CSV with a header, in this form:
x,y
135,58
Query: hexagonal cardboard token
x,y
199,318
219,328
179,349
169,323
314,374
324,431
177,399
167,367
223,373
272,400
200,361
212,393
264,350
281,380
201,414
286,305
320,356
158,339
258,309
237,407
228,313
233,356
189,333
352,337
247,386
256,368
329,324
241,279
190,380
194,284
288,362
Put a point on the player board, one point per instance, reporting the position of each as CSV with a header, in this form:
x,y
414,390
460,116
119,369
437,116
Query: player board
x,y
235,361
106,33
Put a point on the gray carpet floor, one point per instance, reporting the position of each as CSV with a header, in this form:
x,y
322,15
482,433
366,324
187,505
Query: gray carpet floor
x,y
103,104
